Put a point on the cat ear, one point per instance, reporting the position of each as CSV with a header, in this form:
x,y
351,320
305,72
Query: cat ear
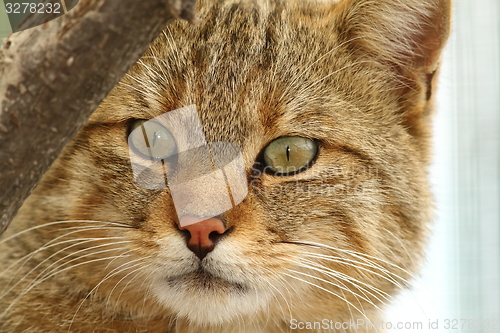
x,y
406,35
409,33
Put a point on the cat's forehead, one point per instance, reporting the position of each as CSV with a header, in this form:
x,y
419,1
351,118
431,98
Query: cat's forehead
x,y
243,54
251,68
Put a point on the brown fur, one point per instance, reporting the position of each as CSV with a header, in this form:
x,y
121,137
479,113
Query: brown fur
x,y
356,75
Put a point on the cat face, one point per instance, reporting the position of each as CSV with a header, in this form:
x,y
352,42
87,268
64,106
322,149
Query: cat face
x,y
323,212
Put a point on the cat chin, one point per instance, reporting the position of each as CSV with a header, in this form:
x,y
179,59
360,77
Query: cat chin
x,y
202,299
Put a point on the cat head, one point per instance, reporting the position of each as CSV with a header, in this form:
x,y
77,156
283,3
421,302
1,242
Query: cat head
x,y
321,113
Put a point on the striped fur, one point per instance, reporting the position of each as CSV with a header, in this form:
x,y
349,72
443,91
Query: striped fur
x,y
333,242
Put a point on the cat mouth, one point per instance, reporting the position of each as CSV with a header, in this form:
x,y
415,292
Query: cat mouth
x,y
205,280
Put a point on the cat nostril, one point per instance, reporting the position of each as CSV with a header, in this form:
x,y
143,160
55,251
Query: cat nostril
x,y
203,234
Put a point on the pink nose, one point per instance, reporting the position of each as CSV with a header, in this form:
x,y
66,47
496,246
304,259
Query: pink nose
x,y
203,233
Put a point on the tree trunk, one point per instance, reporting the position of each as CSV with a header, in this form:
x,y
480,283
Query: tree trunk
x,y
53,76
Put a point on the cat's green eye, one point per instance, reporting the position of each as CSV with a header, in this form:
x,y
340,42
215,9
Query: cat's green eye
x,y
151,139
289,154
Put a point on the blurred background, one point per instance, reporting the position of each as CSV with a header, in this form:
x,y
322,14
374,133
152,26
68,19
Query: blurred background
x,y
459,288
5,28
461,281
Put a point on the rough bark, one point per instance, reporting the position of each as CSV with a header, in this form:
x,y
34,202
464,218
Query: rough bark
x,y
53,76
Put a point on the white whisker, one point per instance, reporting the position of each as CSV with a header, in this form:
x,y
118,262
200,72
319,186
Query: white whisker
x,y
325,270
126,285
33,285
48,224
109,275
46,246
387,275
84,256
341,287
360,255
55,254
328,291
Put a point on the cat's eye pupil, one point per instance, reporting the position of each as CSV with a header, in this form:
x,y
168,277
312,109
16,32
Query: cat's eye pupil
x,y
289,155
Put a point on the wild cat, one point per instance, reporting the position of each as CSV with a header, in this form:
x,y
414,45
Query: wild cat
x,y
260,170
